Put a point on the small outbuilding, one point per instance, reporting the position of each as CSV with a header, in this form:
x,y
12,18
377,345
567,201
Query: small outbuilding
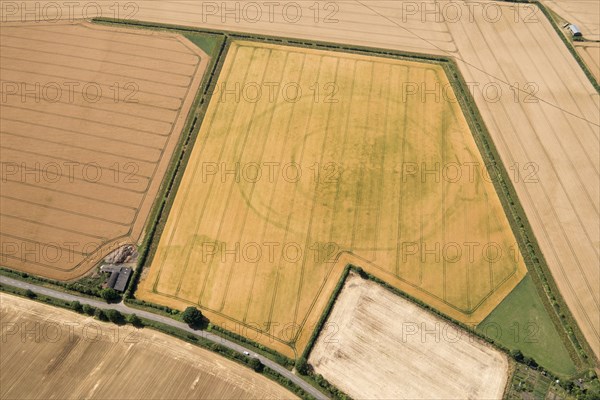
x,y
574,30
122,280
114,275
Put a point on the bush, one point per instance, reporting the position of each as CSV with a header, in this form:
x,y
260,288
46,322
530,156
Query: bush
x,y
193,317
256,365
100,315
76,306
87,309
110,295
30,294
517,355
115,317
135,321
302,366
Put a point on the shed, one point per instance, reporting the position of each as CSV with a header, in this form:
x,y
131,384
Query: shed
x,y
112,279
574,30
122,280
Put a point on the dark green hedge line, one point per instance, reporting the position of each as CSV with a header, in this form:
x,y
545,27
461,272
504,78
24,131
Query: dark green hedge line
x,y
336,292
34,296
172,178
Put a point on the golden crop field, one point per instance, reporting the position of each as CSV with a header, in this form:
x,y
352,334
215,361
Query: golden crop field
x,y
308,160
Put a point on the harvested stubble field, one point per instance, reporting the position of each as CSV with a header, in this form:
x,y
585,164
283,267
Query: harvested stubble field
x,y
53,353
282,191
583,13
590,53
385,347
91,116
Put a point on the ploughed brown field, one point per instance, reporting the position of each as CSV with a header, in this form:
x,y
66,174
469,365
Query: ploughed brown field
x,y
49,352
90,118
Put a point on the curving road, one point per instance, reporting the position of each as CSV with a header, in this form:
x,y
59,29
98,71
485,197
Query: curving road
x,y
168,321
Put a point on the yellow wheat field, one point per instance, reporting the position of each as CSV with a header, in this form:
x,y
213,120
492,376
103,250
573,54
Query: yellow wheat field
x,y
308,160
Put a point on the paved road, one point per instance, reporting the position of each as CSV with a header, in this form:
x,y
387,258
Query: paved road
x,y
165,320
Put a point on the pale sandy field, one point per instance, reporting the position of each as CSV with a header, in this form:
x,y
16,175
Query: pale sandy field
x,y
371,204
586,16
583,13
590,52
69,356
90,119
550,145
376,345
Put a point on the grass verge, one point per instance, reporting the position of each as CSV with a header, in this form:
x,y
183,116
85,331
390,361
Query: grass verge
x,y
520,322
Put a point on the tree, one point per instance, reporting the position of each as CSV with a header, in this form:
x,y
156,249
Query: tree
x,y
517,355
115,317
530,362
110,295
89,310
255,364
302,365
30,294
135,321
100,315
76,306
193,317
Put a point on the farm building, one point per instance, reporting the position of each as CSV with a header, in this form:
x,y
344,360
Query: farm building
x,y
112,279
574,30
118,277
122,280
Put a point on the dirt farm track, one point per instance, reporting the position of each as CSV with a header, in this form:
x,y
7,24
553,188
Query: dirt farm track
x,y
545,121
87,133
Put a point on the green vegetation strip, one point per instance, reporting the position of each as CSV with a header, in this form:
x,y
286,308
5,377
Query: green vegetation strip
x,y
85,287
214,46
